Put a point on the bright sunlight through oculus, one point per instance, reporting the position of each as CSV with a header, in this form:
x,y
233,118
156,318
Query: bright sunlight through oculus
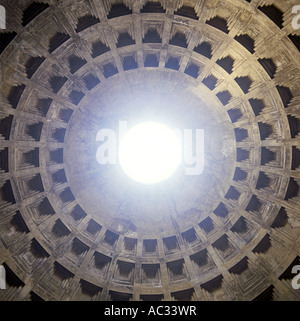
x,y
150,152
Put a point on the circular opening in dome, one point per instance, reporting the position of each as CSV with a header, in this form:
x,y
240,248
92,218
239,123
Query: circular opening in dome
x,y
150,152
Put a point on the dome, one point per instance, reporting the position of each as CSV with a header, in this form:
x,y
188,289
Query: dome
x,y
72,229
